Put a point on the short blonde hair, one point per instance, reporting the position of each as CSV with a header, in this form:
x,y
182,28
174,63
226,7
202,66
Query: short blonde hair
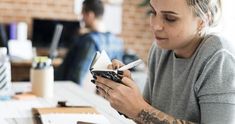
x,y
208,10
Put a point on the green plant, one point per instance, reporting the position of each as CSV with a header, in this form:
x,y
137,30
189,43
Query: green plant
x,y
144,3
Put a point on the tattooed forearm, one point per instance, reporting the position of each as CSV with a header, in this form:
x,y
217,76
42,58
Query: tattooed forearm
x,y
158,117
150,118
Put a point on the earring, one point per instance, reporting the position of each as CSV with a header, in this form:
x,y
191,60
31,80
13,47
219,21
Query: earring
x,y
199,31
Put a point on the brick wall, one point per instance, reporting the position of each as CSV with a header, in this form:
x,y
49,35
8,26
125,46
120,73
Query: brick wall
x,y
135,30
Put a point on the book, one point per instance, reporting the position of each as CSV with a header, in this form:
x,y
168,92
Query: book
x,y
69,115
99,67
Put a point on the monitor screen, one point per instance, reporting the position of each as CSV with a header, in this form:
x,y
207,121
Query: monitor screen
x,y
43,31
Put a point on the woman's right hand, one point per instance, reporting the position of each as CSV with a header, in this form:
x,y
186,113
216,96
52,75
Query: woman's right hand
x,y
118,64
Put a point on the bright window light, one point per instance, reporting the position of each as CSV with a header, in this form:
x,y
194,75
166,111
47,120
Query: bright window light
x,y
227,24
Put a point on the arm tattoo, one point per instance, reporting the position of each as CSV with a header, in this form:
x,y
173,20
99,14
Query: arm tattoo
x,y
158,117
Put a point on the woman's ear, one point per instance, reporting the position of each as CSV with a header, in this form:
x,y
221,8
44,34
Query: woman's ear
x,y
201,26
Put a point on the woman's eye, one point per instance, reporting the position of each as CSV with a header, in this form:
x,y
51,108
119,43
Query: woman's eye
x,y
170,18
152,13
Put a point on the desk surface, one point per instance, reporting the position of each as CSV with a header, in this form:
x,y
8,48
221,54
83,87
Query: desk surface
x,y
19,111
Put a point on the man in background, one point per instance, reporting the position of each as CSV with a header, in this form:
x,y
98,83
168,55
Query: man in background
x,y
76,63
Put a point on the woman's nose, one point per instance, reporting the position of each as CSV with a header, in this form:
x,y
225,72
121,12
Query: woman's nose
x,y
156,24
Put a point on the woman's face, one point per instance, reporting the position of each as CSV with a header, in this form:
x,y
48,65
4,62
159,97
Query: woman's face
x,y
174,25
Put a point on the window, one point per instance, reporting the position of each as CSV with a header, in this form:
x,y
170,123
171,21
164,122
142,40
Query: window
x,y
227,24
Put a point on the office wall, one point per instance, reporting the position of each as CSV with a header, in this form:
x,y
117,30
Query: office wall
x,y
135,27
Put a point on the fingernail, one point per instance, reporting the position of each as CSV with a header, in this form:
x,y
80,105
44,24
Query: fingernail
x,y
94,77
93,81
97,92
120,72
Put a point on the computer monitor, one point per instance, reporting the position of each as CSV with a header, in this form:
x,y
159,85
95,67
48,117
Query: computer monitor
x,y
43,30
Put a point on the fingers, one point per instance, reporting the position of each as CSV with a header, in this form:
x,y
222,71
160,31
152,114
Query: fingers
x,y
116,64
100,81
110,66
128,82
103,90
106,83
125,73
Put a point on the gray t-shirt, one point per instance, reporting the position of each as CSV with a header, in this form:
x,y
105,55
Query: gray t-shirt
x,y
200,89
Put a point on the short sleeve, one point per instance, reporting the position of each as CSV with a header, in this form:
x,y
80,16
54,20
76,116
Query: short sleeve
x,y
150,74
216,83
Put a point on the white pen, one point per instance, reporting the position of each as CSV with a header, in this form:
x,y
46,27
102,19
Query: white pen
x,y
131,65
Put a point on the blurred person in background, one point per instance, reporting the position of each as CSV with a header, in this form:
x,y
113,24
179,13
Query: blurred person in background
x,y
75,66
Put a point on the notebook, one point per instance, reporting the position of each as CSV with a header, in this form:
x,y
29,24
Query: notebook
x,y
69,115
99,67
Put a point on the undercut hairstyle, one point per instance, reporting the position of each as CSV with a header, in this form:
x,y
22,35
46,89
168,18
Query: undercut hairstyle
x,y
95,6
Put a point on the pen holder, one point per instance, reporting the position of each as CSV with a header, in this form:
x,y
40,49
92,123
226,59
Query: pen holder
x,y
42,79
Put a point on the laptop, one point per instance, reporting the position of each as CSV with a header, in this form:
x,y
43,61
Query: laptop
x,y
55,41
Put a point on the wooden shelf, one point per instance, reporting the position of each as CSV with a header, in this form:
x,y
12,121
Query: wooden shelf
x,y
20,70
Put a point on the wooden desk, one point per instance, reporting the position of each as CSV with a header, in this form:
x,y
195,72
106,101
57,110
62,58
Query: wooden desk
x,y
20,71
19,111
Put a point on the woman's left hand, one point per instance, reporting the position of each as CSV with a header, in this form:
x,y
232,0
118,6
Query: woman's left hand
x,y
125,97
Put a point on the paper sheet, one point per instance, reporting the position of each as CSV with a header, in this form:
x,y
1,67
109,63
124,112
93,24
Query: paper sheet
x,y
102,61
22,108
73,118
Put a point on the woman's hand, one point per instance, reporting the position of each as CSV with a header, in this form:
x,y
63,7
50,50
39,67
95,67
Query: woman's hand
x,y
125,97
118,64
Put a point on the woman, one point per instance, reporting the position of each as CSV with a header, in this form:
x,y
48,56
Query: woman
x,y
191,76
